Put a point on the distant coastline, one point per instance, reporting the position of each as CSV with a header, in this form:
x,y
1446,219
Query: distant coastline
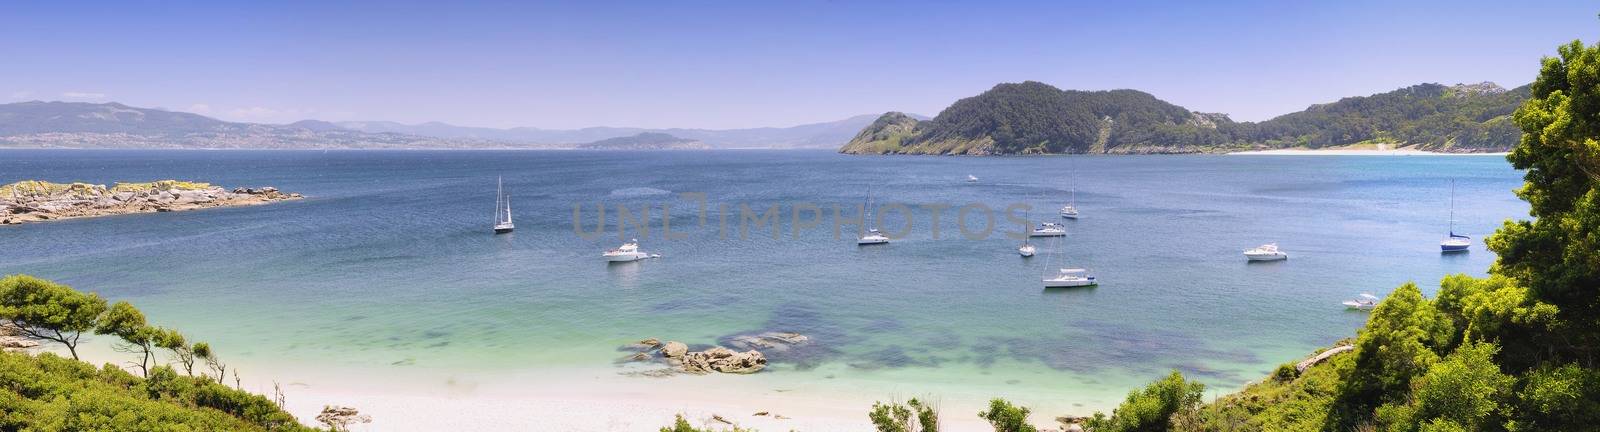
x,y
1355,152
39,201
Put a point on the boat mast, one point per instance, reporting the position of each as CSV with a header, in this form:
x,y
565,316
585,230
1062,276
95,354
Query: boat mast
x,y
499,196
1452,207
868,209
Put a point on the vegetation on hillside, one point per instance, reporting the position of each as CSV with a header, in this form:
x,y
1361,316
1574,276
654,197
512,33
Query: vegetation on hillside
x,y
1036,118
51,393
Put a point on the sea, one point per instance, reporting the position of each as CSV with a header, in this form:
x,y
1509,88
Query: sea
x,y
387,272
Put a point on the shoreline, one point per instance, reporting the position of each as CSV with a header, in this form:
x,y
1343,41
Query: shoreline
x,y
30,201
1354,152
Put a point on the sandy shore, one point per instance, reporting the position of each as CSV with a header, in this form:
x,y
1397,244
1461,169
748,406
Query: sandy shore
x,y
1355,152
600,400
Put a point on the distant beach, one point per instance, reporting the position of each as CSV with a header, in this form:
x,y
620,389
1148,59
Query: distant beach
x,y
1356,150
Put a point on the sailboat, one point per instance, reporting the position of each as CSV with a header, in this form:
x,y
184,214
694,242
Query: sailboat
x,y
1026,250
502,208
873,236
1454,242
1067,277
1070,211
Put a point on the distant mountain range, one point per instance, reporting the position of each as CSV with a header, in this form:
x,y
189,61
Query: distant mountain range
x,y
1036,118
113,125
813,135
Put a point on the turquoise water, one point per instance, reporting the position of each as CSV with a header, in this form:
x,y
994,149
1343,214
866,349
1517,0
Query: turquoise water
x,y
388,265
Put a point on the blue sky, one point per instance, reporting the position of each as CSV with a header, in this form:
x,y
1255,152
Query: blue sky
x,y
744,64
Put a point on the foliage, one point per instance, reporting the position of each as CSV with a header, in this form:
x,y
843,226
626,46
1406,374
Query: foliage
x,y
1006,417
1557,254
50,393
49,311
914,416
1465,392
681,424
1151,409
1033,118
1298,404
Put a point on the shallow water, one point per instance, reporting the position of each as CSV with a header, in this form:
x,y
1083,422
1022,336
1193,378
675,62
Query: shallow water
x,y
388,266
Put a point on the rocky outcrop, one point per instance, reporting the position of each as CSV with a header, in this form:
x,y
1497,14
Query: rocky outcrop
x,y
679,359
12,338
1308,363
719,359
340,418
35,201
674,350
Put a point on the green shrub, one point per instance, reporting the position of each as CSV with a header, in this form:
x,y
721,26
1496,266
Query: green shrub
x,y
1006,417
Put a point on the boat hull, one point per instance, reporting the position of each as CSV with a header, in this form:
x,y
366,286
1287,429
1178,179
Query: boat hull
x,y
1047,234
1266,257
1074,283
872,241
502,230
1454,247
625,258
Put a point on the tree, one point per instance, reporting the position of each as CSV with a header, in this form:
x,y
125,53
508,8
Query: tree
x,y
171,340
1151,409
49,311
914,416
1465,391
126,322
1557,254
1006,417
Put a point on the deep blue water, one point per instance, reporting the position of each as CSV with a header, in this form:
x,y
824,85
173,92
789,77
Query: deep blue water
x,y
389,262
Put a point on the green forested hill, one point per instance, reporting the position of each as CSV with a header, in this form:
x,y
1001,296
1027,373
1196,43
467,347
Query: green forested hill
x,y
1036,118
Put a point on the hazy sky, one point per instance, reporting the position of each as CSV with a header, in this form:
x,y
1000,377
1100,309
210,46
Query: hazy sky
x,y
743,64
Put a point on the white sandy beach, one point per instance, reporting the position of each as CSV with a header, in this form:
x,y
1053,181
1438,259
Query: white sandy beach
x,y
603,401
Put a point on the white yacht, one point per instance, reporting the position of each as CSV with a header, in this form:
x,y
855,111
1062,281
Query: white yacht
x,y
873,236
1070,211
1266,252
1366,301
1065,277
1454,242
1026,250
502,209
1048,229
1070,277
972,178
627,252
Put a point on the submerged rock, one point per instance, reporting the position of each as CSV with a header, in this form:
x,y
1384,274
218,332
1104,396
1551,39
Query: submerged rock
x,y
720,359
674,349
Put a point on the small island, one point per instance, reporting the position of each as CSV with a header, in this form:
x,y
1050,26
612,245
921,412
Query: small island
x,y
35,200
646,141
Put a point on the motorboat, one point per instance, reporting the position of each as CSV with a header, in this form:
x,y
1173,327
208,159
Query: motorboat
x,y
1048,229
627,252
1070,277
971,178
872,237
1366,301
1266,252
